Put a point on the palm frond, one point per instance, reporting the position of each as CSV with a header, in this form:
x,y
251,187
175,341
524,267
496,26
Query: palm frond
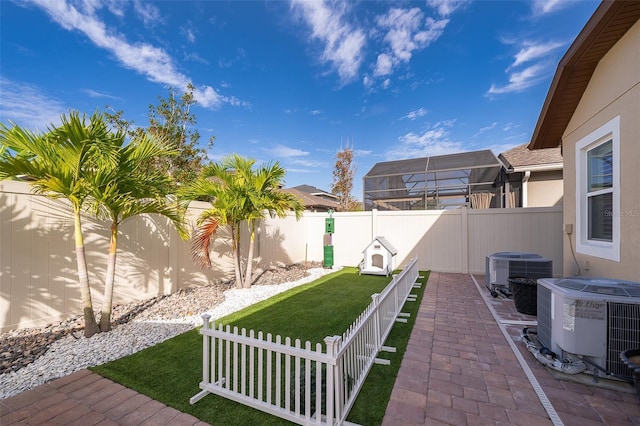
x,y
201,242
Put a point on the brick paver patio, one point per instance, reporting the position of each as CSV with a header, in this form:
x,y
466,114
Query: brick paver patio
x,y
459,369
85,398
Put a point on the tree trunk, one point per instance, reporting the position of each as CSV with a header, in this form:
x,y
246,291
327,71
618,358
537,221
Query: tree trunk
x,y
235,243
90,325
105,317
247,276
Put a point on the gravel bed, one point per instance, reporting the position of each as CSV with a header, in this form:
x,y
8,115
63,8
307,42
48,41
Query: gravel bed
x,y
31,357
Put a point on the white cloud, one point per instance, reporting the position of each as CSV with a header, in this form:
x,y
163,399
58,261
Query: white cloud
x,y
283,151
431,141
233,101
117,7
207,96
311,165
447,7
486,129
148,13
532,51
412,115
543,7
362,152
384,65
521,80
523,137
146,59
96,94
537,56
28,107
305,169
406,30
315,112
535,60
343,44
195,57
189,34
294,157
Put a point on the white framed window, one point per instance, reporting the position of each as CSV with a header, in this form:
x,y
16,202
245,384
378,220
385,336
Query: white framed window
x,y
598,192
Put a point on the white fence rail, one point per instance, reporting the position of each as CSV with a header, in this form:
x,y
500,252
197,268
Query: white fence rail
x,y
364,339
302,384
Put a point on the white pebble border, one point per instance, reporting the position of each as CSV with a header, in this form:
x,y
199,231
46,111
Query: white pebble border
x,y
70,354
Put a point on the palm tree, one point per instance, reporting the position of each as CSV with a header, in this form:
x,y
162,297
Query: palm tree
x,y
238,193
127,189
56,165
217,186
266,196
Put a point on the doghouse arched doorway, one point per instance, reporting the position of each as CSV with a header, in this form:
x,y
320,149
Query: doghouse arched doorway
x,y
377,261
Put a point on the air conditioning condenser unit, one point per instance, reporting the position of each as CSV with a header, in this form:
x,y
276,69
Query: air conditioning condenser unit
x,y
593,319
501,266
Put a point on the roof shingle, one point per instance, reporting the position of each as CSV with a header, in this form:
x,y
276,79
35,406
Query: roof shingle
x,y
522,156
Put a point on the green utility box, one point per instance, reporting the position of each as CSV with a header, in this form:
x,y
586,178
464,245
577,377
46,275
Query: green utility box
x,y
328,256
329,225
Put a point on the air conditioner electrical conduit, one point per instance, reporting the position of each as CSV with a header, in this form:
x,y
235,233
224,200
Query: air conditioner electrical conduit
x,y
549,358
598,368
501,291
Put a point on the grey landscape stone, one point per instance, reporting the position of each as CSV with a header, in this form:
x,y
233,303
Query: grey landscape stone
x,y
31,357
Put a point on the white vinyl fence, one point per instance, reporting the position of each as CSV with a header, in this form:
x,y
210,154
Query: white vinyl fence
x,y
38,270
303,384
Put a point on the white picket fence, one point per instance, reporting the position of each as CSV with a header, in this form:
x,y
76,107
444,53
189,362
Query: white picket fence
x,y
304,385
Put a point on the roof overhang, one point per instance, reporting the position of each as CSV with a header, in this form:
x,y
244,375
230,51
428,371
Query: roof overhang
x,y
536,168
611,20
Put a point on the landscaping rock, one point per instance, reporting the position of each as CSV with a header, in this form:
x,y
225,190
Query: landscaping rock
x,y
30,357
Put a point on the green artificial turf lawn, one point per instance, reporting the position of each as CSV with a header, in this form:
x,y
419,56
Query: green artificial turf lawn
x,y
170,371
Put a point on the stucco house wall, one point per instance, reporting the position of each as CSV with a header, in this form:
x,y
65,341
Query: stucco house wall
x,y
545,189
533,178
613,91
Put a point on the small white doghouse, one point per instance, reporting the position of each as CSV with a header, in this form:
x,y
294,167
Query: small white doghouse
x,y
379,257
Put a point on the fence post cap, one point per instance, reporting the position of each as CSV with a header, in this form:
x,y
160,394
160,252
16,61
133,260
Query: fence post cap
x,y
332,343
332,339
205,320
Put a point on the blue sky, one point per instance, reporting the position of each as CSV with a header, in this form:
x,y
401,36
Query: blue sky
x,y
296,81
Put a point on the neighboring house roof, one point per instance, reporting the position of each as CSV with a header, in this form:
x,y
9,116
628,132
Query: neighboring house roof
x,y
313,202
384,243
521,158
482,159
610,21
312,190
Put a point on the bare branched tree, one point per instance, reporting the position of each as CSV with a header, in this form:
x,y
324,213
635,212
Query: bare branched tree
x,y
343,175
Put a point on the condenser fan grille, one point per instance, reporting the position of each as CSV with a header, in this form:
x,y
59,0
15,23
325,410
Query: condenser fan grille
x,y
544,316
623,334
